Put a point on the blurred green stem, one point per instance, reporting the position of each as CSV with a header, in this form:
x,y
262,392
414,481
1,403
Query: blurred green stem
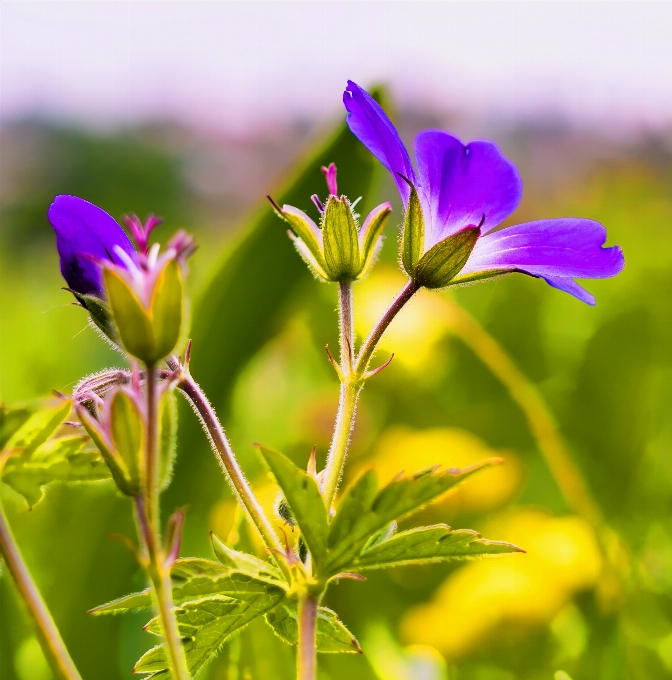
x,y
537,414
222,449
148,519
50,639
306,660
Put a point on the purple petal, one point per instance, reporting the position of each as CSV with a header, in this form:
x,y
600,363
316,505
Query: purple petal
x,y
370,124
556,250
459,184
84,234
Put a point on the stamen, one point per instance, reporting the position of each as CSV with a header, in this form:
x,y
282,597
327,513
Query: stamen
x,y
127,260
153,256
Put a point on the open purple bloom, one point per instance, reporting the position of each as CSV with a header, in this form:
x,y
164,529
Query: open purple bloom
x,y
468,187
85,236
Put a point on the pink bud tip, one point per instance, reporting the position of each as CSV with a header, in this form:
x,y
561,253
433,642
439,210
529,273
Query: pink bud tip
x,y
330,175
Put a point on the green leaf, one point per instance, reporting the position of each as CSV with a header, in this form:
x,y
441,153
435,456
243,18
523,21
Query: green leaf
x,y
413,236
167,437
60,460
341,240
248,564
438,543
441,263
205,625
10,421
195,578
167,309
130,317
127,430
305,500
370,236
363,512
331,635
38,428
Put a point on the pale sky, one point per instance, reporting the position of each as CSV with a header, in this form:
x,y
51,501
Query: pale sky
x,y
236,64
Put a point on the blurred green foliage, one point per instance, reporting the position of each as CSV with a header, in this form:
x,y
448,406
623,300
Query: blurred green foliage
x,y
259,325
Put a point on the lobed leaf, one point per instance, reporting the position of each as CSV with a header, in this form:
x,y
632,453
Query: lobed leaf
x,y
331,635
62,459
305,500
248,564
438,543
205,625
38,428
195,578
365,511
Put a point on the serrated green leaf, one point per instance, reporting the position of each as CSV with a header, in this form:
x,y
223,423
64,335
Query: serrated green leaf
x,y
438,543
341,240
60,459
205,625
248,564
305,500
127,603
331,635
127,431
195,578
167,437
413,235
441,263
38,428
167,309
363,512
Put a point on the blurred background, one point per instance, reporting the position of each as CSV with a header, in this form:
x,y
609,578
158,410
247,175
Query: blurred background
x,y
195,111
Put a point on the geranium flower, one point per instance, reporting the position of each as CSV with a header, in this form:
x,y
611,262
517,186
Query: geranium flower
x,y
86,236
464,192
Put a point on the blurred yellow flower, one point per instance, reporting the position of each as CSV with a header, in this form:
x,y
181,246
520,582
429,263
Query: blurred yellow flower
x,y
562,559
415,332
404,449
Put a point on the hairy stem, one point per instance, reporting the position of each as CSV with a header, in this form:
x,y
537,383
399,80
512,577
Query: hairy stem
x,y
48,635
370,344
352,377
159,574
345,323
306,655
151,453
227,459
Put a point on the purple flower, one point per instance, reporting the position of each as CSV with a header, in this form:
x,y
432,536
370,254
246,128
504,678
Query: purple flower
x,y
474,188
86,236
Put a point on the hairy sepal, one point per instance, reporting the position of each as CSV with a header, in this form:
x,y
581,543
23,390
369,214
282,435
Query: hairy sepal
x,y
444,261
413,234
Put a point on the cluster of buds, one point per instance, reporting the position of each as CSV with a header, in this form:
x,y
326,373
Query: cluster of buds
x,y
112,408
338,249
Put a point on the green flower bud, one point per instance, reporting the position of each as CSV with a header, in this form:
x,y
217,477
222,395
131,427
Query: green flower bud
x,y
338,250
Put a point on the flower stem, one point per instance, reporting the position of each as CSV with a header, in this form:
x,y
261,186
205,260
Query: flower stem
x,y
370,344
353,375
222,449
48,635
159,574
306,660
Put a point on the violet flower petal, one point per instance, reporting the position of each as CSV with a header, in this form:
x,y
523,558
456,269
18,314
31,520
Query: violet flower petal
x,y
86,233
370,124
556,250
463,185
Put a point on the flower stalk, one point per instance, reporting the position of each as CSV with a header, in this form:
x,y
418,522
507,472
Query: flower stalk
x,y
50,639
157,564
227,459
